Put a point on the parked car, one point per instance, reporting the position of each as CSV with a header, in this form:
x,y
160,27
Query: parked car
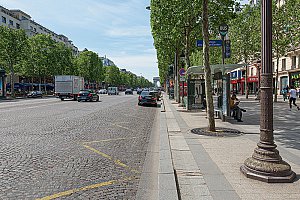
x,y
147,98
113,91
35,94
128,91
102,91
87,95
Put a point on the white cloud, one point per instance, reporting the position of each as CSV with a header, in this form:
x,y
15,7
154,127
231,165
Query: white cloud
x,y
145,64
135,31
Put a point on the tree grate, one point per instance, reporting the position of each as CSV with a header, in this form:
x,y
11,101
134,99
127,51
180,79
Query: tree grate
x,y
220,132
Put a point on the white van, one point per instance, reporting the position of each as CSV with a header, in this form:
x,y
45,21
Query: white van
x,y
112,91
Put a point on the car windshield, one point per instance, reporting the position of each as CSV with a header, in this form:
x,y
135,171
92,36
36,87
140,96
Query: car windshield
x,y
83,92
145,93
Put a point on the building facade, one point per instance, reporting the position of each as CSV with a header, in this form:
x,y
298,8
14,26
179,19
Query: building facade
x,y
18,19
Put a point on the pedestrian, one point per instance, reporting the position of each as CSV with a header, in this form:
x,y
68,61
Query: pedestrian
x,y
293,97
235,109
284,94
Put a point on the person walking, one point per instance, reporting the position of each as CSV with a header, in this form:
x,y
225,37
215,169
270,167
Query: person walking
x,y
293,97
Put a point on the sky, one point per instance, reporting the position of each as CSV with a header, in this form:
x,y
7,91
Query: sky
x,y
117,29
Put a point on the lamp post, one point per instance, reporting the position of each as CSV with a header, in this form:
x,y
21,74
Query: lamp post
x,y
266,164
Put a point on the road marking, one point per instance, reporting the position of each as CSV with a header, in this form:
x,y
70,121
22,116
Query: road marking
x,y
108,140
89,187
117,162
124,128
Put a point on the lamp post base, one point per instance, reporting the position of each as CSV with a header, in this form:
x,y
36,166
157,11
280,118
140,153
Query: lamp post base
x,y
266,171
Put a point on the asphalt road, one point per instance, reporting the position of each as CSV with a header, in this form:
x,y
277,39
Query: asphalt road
x,y
73,150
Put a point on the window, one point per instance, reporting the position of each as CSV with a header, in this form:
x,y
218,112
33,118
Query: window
x,y
251,72
273,67
283,65
293,62
11,22
34,29
18,26
298,61
4,19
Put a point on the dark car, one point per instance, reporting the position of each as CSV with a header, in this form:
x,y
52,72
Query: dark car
x,y
128,91
147,98
87,95
35,94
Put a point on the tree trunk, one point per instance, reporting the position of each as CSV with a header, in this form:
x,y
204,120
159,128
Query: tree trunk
x,y
276,81
187,48
12,81
207,69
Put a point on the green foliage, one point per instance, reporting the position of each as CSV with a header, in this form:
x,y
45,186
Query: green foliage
x,y
112,75
13,45
89,66
244,33
177,24
40,57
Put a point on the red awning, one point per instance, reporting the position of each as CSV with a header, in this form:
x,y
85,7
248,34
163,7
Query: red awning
x,y
233,81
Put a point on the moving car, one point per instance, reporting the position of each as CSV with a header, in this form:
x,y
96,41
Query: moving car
x,y
87,95
139,91
147,98
128,91
157,94
113,91
102,91
35,94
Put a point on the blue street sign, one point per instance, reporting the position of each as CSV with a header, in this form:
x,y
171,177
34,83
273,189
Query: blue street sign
x,y
212,43
227,49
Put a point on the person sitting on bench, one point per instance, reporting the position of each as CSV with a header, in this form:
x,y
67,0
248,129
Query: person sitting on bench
x,y
235,109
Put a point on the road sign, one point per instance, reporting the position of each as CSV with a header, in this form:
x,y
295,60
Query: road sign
x,y
212,43
182,78
223,29
182,72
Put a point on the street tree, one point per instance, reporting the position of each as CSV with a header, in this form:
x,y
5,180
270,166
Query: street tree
x,y
207,69
112,75
13,45
41,61
245,44
89,66
64,60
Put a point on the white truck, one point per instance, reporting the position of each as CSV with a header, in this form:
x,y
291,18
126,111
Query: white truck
x,y
68,86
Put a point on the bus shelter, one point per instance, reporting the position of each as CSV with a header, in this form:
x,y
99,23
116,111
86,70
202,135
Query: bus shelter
x,y
219,72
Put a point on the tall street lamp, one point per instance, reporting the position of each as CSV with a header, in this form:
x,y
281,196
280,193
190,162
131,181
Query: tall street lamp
x,y
266,164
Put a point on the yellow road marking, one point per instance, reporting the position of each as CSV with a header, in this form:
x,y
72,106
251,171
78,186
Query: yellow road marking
x,y
108,140
117,162
125,128
69,192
